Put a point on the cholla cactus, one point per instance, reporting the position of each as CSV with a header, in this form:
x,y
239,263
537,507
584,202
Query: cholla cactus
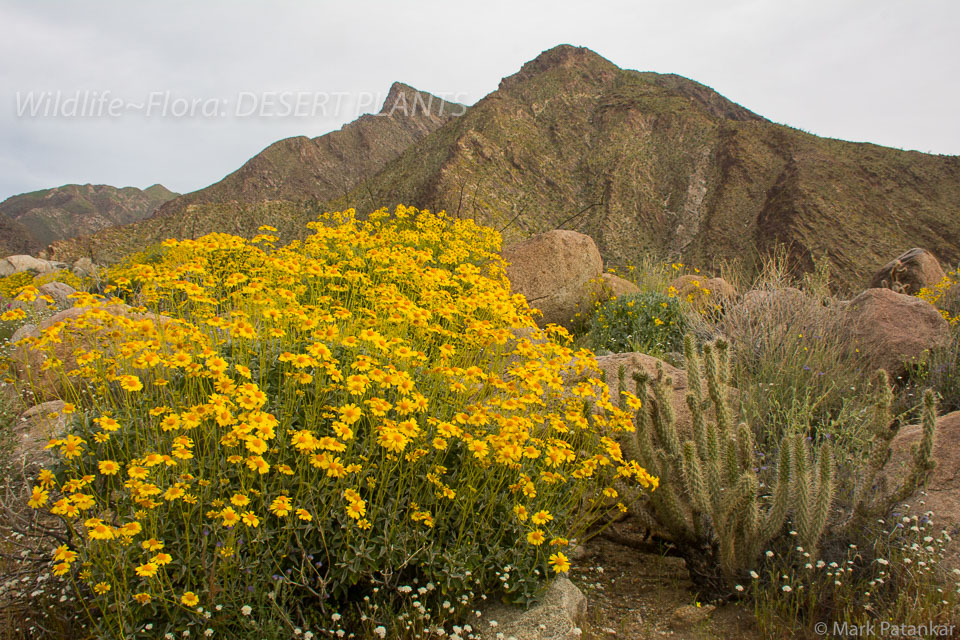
x,y
710,500
872,497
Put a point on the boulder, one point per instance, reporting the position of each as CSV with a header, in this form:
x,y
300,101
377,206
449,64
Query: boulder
x,y
941,494
556,616
553,271
703,292
613,286
34,428
23,332
890,329
27,362
15,264
909,272
84,268
60,292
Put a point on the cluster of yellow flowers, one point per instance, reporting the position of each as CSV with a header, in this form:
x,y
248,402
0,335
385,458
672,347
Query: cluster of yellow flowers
x,y
271,422
938,297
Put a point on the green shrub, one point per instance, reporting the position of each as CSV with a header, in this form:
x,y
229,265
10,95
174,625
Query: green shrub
x,y
347,434
651,323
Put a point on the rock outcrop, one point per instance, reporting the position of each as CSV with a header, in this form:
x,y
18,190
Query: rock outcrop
x,y
704,292
941,494
17,264
554,271
556,616
890,329
909,272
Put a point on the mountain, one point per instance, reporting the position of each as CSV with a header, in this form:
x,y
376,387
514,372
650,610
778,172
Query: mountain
x,y
31,221
282,185
645,163
651,163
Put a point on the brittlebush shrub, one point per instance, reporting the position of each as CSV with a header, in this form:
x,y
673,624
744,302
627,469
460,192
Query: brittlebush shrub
x,y
652,323
360,433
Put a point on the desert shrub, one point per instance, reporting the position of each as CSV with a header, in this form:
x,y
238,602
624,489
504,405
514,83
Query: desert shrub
x,y
795,369
939,370
649,322
11,285
945,296
362,433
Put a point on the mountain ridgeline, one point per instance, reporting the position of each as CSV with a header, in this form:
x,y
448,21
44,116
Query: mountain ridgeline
x,y
644,163
31,221
286,184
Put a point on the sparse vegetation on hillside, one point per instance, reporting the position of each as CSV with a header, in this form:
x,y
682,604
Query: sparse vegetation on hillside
x,y
41,217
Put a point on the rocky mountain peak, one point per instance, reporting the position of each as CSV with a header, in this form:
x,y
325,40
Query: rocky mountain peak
x,y
404,100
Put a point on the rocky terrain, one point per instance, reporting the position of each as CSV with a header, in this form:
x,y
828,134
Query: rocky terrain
x,y
650,163
284,184
644,163
31,221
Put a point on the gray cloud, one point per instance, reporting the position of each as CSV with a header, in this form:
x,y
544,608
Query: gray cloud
x,y
879,71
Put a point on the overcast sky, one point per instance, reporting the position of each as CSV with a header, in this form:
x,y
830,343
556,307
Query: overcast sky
x,y
880,71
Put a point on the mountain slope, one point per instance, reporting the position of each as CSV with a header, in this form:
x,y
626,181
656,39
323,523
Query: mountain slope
x,y
645,163
330,165
31,221
281,185
649,163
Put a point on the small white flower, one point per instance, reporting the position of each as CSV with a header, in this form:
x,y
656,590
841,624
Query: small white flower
x,y
754,575
787,588
246,609
381,631
739,587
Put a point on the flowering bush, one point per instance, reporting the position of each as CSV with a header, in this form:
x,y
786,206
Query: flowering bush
x,y
362,432
942,296
649,322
